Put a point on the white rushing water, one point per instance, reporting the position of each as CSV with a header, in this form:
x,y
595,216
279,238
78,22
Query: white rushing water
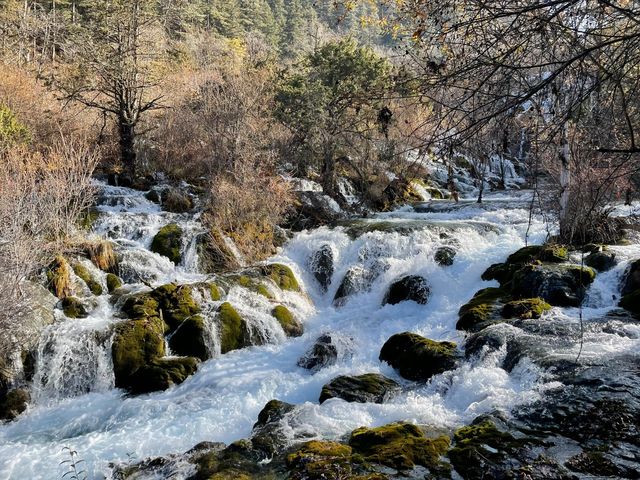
x,y
76,406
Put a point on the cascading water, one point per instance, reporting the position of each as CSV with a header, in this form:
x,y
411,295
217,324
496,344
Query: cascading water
x,y
76,405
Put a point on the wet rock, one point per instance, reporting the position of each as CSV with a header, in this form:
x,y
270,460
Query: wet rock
x,y
444,256
631,302
282,276
161,374
481,309
418,358
411,287
291,326
176,201
317,460
321,265
312,210
596,463
401,446
526,308
601,261
190,339
367,388
267,435
83,272
561,285
357,279
14,403
322,354
273,411
74,308
234,333
168,242
214,255
631,281
175,303
533,254
113,282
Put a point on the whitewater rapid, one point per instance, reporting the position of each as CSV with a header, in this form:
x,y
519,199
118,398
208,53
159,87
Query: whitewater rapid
x,y
222,400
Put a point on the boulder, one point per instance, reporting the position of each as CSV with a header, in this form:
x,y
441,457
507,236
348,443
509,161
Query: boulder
x,y
357,279
418,358
411,287
83,273
176,303
14,403
367,388
267,435
161,374
480,309
559,285
631,280
282,276
291,326
190,339
526,308
316,460
312,210
321,265
444,256
175,200
234,333
168,242
601,261
322,354
74,308
113,282
631,302
401,446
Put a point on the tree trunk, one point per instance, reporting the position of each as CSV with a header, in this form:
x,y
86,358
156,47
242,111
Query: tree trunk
x,y
329,172
127,149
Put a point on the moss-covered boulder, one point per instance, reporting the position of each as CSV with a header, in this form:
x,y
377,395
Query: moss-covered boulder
x,y
481,308
532,254
367,388
176,201
444,256
601,261
74,308
140,306
267,435
253,283
233,329
321,265
322,354
214,291
412,287
401,446
176,303
168,242
526,308
14,403
136,344
59,279
559,285
161,374
273,411
190,339
418,358
83,272
291,326
282,276
316,460
631,281
113,282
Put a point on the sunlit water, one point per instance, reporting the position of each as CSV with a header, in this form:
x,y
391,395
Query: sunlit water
x,y
76,406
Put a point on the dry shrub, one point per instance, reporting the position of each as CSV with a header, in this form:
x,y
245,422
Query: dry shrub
x,y
42,194
247,209
101,253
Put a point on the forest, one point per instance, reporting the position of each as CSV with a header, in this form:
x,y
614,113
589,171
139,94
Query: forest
x,y
426,213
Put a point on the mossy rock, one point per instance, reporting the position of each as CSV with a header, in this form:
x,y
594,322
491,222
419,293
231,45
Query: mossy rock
x,y
215,292
291,326
136,343
400,445
444,256
631,302
83,272
480,446
480,309
190,339
273,411
418,358
141,306
525,255
168,242
558,285
253,284
59,277
367,388
161,374
409,288
74,308
176,201
14,403
601,261
282,276
113,282
502,272
176,303
526,308
316,460
233,329
553,253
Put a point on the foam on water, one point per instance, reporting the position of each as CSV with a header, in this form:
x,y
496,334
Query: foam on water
x,y
222,400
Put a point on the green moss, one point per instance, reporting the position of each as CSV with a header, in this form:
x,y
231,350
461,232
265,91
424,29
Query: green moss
x,y
88,218
527,308
583,275
113,282
502,272
215,292
399,445
176,303
291,326
73,308
168,241
480,308
282,276
136,343
525,254
318,459
141,306
161,374
631,302
553,253
233,328
59,277
82,272
477,442
254,285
